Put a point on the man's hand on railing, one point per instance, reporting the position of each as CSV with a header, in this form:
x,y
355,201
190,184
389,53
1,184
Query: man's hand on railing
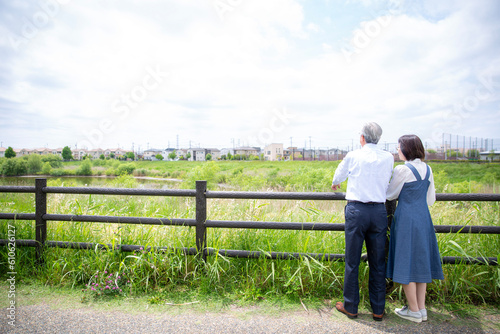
x,y
335,187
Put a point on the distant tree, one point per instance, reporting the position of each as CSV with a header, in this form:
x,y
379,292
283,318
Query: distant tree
x,y
85,168
130,155
9,153
66,153
208,157
54,160
491,155
46,168
453,153
34,163
9,167
125,169
223,157
159,156
112,155
431,151
229,156
188,156
473,153
172,155
13,167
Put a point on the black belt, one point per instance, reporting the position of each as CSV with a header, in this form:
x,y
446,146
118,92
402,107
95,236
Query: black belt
x,y
358,202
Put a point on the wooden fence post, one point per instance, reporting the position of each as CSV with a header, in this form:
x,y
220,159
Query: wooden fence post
x,y
40,222
390,207
201,217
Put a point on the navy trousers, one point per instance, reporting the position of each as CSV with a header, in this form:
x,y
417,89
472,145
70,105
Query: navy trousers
x,y
365,223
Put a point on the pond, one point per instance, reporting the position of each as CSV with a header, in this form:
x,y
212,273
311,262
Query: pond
x,y
97,181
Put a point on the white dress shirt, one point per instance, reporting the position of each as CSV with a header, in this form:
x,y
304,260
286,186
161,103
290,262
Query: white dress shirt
x,y
368,170
403,174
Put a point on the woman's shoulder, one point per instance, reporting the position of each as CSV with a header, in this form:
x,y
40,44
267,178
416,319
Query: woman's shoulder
x,y
402,169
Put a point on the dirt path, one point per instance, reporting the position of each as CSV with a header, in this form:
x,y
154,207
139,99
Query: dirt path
x,y
45,318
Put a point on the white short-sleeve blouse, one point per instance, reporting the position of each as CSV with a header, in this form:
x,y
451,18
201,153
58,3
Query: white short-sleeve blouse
x,y
403,174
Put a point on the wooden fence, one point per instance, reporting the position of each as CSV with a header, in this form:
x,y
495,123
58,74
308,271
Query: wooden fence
x,y
201,223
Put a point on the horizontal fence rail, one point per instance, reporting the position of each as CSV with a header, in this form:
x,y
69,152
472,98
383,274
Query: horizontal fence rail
x,y
201,223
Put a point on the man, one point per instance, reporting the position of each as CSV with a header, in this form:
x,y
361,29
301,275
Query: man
x,y
369,171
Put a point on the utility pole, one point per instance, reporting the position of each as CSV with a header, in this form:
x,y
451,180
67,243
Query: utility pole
x,y
291,146
310,148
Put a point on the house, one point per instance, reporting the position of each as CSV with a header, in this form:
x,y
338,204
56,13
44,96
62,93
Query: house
x,y
292,153
166,152
118,152
490,156
197,154
273,152
181,153
152,153
247,151
95,153
2,152
214,152
78,154
336,154
57,151
242,151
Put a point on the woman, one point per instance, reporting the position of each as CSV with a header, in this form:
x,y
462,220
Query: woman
x,y
413,250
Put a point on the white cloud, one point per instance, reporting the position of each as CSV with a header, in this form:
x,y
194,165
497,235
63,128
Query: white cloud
x,y
227,74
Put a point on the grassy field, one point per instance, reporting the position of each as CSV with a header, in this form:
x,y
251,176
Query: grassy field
x,y
170,275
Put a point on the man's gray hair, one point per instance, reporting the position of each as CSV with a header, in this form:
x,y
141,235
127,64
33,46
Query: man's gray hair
x,y
372,132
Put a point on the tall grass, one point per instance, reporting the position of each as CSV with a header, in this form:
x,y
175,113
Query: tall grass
x,y
170,273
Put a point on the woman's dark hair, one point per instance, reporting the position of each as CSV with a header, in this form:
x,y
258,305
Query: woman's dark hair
x,y
411,147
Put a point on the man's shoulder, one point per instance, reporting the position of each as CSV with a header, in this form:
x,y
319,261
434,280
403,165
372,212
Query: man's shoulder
x,y
387,154
384,153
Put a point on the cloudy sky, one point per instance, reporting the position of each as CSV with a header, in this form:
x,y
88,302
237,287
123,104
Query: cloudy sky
x,y
218,73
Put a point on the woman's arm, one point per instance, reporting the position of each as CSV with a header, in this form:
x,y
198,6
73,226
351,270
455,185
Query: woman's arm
x,y
399,177
431,192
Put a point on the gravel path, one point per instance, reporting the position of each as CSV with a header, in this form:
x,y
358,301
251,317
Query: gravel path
x,y
43,318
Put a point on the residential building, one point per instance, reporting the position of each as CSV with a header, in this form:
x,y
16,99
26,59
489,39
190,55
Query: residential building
x,y
273,152
247,151
167,151
214,152
152,153
490,156
292,153
197,154
182,153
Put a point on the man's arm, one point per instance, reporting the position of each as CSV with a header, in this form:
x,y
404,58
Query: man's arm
x,y
341,174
